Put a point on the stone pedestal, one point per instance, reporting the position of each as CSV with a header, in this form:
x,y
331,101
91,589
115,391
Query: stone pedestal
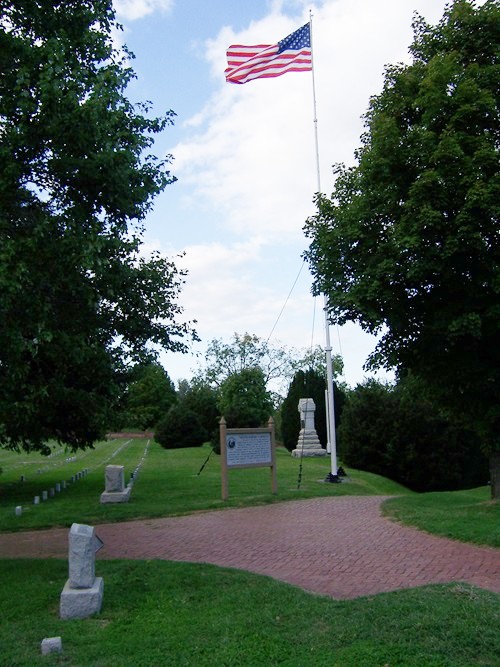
x,y
115,492
81,602
308,443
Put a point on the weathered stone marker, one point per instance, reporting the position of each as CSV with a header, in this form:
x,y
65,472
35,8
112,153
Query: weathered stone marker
x,y
51,645
308,443
82,594
115,492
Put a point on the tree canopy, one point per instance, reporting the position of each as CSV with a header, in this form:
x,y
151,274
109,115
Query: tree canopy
x,y
244,400
277,363
408,243
149,396
78,300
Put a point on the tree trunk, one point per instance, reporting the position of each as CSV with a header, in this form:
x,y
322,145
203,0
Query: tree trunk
x,y
495,475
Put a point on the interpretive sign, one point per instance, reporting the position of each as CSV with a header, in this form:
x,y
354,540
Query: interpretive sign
x,y
244,449
247,448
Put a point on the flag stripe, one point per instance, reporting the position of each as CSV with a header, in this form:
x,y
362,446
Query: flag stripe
x,y
293,54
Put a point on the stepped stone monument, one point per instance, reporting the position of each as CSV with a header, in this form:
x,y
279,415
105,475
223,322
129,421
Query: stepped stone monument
x,y
308,443
115,492
82,594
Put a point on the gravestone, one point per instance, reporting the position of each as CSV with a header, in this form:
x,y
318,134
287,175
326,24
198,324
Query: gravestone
x,y
308,443
115,492
82,594
51,645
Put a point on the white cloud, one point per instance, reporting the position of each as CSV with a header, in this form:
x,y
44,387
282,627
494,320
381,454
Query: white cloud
x,y
136,9
248,158
251,152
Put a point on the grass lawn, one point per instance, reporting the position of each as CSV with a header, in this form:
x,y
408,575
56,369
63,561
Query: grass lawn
x,y
469,516
168,484
178,614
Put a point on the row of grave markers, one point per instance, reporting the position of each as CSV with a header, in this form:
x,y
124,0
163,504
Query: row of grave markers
x,y
51,492
59,486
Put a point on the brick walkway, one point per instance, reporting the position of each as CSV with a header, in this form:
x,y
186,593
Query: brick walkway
x,y
341,547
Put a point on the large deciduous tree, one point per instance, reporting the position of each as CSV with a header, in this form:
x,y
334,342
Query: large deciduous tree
x,y
408,245
277,363
149,396
77,300
244,401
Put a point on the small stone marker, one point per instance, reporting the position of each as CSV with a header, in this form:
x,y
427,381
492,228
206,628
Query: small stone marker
x,y
52,492
308,443
51,645
44,495
19,510
82,594
58,487
115,486
63,484
36,500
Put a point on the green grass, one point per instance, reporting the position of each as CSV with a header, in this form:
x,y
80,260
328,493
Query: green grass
x,y
179,614
168,484
469,516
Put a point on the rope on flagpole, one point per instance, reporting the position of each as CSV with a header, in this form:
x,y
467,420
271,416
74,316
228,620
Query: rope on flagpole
x,y
286,301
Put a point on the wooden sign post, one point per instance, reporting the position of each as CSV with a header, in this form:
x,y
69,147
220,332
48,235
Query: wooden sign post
x,y
247,448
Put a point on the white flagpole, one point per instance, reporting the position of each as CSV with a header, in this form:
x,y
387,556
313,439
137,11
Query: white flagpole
x,y
330,409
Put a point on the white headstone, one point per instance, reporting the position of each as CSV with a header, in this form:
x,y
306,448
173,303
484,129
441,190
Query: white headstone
x,y
51,645
114,479
81,556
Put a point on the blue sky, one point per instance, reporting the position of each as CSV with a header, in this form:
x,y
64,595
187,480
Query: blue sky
x,y
245,158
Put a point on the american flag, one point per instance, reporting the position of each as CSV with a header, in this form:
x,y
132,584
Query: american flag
x,y
292,54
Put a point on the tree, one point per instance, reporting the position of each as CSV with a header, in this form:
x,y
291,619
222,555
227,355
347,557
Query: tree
x,y
78,301
201,399
401,433
149,396
278,364
180,428
244,400
408,244
244,351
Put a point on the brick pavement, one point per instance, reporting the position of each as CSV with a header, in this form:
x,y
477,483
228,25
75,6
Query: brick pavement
x,y
341,547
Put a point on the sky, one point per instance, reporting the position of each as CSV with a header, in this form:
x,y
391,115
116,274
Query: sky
x,y
245,155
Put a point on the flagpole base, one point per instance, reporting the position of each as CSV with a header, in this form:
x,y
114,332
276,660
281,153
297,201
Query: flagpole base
x,y
332,479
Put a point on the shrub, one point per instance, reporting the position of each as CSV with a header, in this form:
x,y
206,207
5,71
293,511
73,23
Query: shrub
x,y
399,432
180,428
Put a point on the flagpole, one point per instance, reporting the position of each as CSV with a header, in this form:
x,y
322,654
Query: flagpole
x,y
330,409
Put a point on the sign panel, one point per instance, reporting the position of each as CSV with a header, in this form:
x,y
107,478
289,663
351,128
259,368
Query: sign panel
x,y
249,449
